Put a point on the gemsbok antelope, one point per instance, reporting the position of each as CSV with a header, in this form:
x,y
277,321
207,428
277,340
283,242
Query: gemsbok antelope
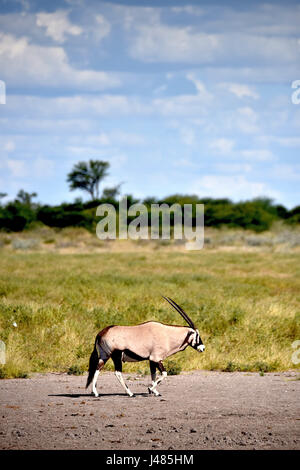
x,y
153,341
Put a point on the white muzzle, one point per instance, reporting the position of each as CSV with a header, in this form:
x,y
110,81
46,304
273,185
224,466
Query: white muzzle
x,y
201,348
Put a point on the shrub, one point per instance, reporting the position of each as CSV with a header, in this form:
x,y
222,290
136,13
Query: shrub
x,y
24,244
75,370
172,368
262,367
59,217
231,367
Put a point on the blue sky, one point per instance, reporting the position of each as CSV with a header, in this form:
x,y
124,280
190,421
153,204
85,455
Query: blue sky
x,y
189,97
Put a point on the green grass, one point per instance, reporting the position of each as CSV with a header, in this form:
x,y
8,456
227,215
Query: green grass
x,y
246,306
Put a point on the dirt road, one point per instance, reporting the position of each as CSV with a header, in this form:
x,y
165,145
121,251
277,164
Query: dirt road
x,y
199,410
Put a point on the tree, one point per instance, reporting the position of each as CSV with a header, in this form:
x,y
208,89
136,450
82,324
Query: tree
x,y
2,195
25,198
111,193
87,176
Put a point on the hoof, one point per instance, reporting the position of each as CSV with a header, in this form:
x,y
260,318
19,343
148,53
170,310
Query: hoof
x,y
151,392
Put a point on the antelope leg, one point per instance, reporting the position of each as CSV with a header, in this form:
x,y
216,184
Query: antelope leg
x,y
153,377
100,366
153,366
119,376
117,359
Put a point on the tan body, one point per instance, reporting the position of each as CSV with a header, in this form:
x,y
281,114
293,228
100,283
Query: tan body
x,y
153,341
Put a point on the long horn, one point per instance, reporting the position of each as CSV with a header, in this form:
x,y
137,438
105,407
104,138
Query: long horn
x,y
185,314
181,311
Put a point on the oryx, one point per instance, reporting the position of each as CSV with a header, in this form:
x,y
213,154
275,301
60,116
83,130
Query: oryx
x,y
153,341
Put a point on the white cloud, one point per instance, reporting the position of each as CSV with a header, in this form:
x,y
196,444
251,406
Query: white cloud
x,y
188,136
18,168
103,27
83,150
44,125
106,145
182,105
261,155
42,168
160,89
235,187
11,47
266,19
57,25
117,160
189,9
157,42
127,138
283,141
9,146
200,87
185,105
114,138
26,64
99,105
79,109
246,120
240,90
265,73
233,167
38,168
162,43
222,146
185,163
226,147
130,16
102,139
286,172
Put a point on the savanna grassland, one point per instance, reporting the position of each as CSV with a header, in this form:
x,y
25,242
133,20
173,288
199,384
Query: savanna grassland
x,y
246,305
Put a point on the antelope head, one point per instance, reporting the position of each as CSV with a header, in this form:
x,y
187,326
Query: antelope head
x,y
195,340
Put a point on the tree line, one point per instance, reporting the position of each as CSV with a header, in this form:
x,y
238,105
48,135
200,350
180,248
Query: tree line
x,y
23,212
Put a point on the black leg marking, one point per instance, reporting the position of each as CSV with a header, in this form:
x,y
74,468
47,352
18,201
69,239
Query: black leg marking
x,y
153,366
161,367
117,360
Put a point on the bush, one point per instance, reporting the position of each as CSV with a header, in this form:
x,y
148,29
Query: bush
x,y
262,367
75,370
172,368
24,244
257,214
16,216
231,367
60,217
11,371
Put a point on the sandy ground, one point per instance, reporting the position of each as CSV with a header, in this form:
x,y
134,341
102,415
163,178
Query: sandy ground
x,y
199,410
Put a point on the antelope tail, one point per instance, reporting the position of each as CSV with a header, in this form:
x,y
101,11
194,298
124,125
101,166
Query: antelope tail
x,y
92,366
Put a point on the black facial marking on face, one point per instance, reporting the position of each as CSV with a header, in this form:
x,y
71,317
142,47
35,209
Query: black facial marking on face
x,y
187,339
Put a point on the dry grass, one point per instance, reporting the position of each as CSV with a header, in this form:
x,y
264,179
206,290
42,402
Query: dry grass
x,y
281,239
245,303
